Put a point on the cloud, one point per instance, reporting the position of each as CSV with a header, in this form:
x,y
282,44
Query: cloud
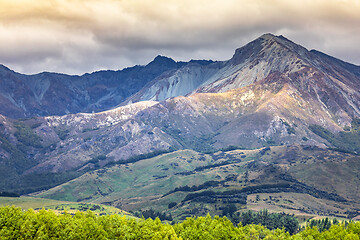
x,y
77,36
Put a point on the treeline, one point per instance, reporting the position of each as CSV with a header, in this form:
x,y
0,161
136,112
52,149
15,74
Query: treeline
x,y
210,196
9,194
240,196
18,224
140,157
194,188
269,220
322,224
202,168
151,213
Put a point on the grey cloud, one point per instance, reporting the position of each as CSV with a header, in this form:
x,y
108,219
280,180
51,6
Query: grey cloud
x,y
75,36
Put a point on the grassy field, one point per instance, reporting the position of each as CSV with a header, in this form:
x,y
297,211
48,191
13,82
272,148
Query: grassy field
x,y
149,177
58,206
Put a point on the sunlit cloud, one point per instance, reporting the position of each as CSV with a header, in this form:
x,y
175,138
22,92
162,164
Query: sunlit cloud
x,y
77,36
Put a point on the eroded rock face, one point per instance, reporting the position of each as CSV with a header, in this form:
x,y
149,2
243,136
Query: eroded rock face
x,y
260,114
269,59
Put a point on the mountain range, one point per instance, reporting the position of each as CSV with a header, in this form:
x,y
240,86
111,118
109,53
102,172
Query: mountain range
x,y
253,124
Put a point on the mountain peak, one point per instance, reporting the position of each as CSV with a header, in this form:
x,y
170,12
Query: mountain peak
x,y
162,60
266,43
281,41
267,36
277,38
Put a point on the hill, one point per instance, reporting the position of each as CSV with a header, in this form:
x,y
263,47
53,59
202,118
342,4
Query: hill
x,y
187,183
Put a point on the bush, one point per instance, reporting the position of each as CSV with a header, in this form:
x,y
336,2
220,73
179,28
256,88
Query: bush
x,y
26,136
172,204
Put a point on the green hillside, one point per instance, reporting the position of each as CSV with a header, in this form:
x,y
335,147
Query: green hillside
x,y
294,179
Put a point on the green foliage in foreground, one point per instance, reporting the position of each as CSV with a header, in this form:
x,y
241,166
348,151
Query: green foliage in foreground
x,y
17,224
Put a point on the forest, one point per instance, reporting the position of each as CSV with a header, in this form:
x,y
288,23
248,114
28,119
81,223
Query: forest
x,y
45,224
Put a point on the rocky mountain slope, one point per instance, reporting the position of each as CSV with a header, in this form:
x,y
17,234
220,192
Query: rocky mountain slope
x,y
268,57
46,94
259,115
329,81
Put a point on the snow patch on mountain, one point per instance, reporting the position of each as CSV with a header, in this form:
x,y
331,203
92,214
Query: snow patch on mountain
x,y
98,120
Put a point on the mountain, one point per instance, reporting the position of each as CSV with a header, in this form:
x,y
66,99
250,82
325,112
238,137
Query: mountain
x,y
268,58
330,82
46,94
289,91
293,113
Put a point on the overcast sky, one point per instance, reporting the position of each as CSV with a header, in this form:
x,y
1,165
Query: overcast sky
x,y
78,36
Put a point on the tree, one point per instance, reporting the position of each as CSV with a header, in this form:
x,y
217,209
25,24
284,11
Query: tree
x,y
229,210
